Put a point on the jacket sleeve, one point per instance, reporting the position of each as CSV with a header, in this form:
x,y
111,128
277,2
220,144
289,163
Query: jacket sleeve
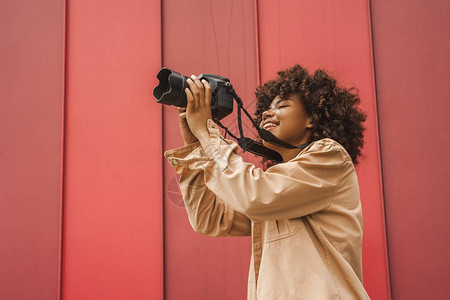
x,y
207,213
299,187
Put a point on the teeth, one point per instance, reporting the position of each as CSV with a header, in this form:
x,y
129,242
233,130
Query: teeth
x,y
269,125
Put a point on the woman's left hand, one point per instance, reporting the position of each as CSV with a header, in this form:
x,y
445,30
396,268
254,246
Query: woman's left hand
x,y
198,106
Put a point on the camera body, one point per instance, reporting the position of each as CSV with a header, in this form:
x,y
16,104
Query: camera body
x,y
170,91
222,99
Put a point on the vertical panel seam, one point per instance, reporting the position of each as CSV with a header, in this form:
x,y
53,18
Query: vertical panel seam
x,y
380,166
63,149
258,60
163,248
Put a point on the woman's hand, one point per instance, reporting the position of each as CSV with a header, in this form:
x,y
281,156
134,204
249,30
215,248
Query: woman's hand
x,y
198,107
186,133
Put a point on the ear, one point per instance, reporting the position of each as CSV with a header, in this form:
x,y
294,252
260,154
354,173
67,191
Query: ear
x,y
308,124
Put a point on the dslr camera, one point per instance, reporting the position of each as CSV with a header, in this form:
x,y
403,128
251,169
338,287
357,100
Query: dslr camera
x,y
170,91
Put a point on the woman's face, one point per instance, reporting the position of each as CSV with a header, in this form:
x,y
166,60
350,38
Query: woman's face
x,y
287,120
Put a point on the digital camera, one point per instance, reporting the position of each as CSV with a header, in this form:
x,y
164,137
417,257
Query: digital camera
x,y
170,91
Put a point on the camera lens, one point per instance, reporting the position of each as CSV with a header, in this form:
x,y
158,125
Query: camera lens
x,y
170,89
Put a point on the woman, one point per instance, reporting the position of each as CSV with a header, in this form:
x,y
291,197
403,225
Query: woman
x,y
304,214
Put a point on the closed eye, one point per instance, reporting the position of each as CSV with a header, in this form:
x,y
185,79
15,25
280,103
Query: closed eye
x,y
283,106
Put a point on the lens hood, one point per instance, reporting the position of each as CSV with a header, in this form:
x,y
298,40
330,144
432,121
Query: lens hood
x,y
170,89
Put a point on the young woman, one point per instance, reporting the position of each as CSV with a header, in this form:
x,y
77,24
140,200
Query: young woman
x,y
304,214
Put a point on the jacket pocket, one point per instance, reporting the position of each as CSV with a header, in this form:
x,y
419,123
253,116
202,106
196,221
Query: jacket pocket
x,y
281,229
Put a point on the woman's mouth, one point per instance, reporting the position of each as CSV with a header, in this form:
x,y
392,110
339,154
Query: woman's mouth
x,y
269,126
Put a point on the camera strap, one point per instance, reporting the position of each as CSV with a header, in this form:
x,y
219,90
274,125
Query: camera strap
x,y
252,146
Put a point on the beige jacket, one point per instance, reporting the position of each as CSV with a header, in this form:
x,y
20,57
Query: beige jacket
x,y
304,215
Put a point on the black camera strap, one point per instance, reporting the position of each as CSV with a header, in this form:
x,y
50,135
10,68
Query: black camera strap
x,y
252,146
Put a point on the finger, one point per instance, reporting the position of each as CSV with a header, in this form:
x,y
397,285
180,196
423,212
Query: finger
x,y
201,91
181,109
190,99
195,92
199,85
208,93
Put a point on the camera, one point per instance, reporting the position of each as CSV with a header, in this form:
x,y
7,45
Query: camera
x,y
170,91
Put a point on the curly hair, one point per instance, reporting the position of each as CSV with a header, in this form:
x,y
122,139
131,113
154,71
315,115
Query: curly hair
x,y
333,109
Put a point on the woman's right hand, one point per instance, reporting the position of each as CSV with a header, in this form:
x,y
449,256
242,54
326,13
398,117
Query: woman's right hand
x,y
186,133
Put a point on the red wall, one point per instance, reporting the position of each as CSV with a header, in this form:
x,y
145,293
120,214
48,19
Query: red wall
x,y
336,36
215,37
225,38
112,243
411,44
31,116
90,210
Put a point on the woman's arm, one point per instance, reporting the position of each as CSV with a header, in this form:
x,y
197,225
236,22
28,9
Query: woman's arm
x,y
304,185
207,213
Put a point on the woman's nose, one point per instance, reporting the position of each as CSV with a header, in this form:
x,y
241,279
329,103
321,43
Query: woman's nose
x,y
266,114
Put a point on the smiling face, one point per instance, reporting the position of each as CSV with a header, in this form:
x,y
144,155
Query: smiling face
x,y
287,120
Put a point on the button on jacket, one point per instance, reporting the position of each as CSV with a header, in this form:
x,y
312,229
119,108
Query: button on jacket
x,y
304,215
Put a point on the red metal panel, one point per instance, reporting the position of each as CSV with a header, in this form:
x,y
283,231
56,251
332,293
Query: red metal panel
x,y
31,99
113,212
215,37
411,44
335,35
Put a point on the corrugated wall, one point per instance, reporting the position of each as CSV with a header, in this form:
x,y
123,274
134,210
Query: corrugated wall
x,y
248,41
112,242
336,36
216,37
411,46
31,124
90,210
